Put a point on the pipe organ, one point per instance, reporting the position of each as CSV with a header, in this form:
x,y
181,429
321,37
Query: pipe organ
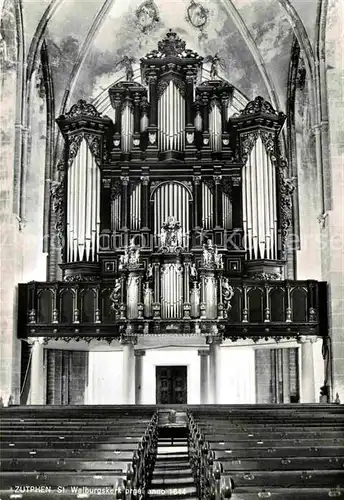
x,y
189,196
83,206
173,219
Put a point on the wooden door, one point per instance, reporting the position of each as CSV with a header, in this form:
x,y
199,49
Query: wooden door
x,y
171,385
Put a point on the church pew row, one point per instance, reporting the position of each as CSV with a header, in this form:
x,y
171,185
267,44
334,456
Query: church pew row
x,y
235,455
275,434
37,455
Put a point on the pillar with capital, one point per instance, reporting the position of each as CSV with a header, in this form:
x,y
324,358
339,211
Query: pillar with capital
x,y
37,371
139,353
128,383
204,356
214,369
307,368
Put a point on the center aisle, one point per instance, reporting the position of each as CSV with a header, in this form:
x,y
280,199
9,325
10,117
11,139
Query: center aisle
x,y
172,475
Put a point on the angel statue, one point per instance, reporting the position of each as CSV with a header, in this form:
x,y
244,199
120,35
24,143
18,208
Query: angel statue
x,y
193,271
131,257
227,293
211,258
149,273
216,63
115,296
134,253
127,64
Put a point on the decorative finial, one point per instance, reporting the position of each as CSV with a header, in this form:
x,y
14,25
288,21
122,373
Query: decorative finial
x,y
172,44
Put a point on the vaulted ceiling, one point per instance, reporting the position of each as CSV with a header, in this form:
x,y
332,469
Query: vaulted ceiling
x,y
87,39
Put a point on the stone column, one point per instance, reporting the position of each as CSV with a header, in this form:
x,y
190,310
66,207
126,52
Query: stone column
x,y
204,355
307,369
214,370
138,375
37,371
128,370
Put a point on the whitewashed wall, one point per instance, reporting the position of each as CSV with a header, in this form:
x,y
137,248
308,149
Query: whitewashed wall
x,y
104,378
238,375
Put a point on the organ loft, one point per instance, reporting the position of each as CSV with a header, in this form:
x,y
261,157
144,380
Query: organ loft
x,y
172,220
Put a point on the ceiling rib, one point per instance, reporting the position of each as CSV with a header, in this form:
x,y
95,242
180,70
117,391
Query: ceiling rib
x,y
300,33
258,59
39,33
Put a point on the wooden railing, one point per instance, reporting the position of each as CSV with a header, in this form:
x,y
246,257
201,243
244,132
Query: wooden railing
x,y
257,308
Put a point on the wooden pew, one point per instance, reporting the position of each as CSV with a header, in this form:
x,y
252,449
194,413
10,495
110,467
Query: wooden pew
x,y
257,453
110,452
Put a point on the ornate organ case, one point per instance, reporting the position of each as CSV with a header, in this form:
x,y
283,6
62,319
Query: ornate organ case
x,y
177,198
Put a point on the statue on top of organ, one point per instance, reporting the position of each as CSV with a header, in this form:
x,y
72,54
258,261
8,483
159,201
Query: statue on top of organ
x,y
185,155
171,237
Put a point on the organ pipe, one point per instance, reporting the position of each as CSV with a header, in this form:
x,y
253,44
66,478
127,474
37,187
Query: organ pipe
x,y
207,207
135,208
171,291
116,213
215,127
227,212
127,126
171,120
83,207
259,204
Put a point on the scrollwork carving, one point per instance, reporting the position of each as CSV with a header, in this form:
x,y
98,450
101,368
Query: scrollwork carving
x,y
163,84
94,142
265,276
82,108
259,105
286,189
116,189
75,278
248,141
268,139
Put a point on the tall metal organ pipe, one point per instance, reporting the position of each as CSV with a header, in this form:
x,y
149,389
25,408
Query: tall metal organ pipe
x,y
135,208
207,207
260,204
116,213
83,207
171,121
215,127
127,126
227,212
171,291
172,199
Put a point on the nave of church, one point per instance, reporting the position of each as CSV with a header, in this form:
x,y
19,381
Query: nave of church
x,y
242,452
